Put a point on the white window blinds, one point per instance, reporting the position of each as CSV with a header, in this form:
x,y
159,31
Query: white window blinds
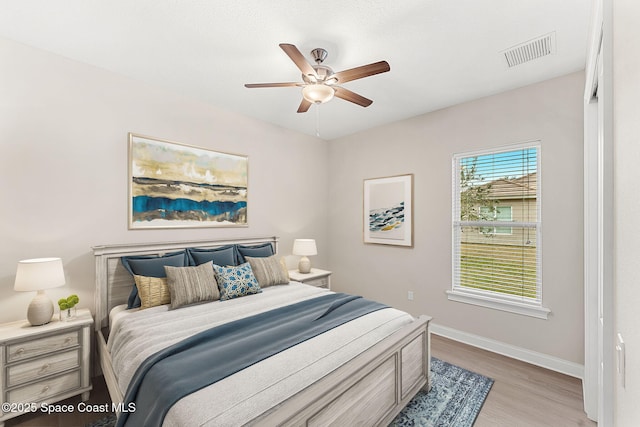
x,y
496,224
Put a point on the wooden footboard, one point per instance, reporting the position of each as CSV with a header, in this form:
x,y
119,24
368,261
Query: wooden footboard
x,y
370,390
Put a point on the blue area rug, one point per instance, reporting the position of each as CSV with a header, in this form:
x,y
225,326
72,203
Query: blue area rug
x,y
455,399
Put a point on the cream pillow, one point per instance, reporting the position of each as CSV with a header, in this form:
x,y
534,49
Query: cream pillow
x,y
153,291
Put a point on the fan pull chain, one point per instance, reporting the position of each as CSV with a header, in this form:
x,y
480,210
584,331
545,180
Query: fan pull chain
x,y
317,120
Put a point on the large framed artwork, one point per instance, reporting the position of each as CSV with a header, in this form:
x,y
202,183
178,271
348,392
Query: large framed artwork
x,y
173,185
388,210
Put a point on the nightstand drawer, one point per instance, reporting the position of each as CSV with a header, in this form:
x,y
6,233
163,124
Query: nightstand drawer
x,y
25,350
35,369
45,389
322,282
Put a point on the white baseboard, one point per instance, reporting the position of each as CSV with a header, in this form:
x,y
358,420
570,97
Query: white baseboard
x,y
539,359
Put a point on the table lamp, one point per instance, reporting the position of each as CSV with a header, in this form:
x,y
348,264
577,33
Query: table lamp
x,y
304,247
37,275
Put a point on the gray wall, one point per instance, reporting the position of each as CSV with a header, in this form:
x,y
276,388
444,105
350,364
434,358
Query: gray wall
x,y
63,167
550,111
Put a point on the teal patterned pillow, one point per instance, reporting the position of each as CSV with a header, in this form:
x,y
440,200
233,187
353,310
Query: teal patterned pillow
x,y
236,282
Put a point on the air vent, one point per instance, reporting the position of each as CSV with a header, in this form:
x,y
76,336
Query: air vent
x,y
533,49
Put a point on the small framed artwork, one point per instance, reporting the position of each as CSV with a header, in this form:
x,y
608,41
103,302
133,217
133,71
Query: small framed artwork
x,y
172,185
388,210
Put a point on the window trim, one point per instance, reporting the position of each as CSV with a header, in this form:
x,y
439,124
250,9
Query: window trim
x,y
495,300
483,300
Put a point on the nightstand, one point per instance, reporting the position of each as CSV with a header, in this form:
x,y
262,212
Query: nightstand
x,y
317,277
45,363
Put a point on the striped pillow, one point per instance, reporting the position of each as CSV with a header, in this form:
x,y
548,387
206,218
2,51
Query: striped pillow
x,y
189,285
153,291
269,271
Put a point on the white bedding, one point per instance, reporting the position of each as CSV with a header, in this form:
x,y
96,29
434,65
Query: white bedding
x,y
235,400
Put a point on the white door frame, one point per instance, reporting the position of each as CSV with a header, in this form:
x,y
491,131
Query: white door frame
x,y
599,380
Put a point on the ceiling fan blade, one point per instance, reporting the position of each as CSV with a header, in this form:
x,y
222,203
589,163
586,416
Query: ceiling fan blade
x,y
350,96
363,71
287,84
298,58
304,106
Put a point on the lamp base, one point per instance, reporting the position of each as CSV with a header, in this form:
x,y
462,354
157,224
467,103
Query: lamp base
x,y
40,310
304,266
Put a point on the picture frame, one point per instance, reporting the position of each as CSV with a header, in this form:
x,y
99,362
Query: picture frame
x,y
388,210
174,185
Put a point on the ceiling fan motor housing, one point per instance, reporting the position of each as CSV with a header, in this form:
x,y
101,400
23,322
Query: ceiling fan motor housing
x,y
323,74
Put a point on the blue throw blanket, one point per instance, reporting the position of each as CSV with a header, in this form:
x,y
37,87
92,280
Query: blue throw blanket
x,y
205,358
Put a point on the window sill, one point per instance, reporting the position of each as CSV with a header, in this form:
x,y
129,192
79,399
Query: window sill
x,y
499,304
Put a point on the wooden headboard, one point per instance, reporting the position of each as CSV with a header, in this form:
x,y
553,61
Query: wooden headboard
x,y
113,281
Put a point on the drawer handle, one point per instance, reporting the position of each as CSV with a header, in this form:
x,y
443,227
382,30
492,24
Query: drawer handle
x,y
45,389
19,351
67,340
45,368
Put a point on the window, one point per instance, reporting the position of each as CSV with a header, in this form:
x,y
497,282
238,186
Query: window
x,y
496,230
500,213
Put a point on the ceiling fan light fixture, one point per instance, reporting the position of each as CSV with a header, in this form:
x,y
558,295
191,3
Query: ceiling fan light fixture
x,y
318,93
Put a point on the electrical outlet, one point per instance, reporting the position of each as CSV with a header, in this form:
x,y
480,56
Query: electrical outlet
x,y
410,295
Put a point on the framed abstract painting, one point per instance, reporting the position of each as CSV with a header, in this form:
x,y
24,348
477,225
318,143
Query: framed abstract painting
x,y
388,210
173,185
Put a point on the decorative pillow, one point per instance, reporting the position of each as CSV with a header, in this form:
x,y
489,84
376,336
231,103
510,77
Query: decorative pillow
x,y
150,266
269,271
189,285
236,282
153,291
256,251
225,255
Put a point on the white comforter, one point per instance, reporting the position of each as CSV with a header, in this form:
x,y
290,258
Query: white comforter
x,y
237,399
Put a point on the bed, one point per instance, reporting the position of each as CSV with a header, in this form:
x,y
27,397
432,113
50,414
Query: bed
x,y
360,373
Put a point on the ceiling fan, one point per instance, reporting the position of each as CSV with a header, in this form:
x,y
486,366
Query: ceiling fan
x,y
319,82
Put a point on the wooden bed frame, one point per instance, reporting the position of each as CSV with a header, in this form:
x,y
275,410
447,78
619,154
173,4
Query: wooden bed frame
x,y
371,389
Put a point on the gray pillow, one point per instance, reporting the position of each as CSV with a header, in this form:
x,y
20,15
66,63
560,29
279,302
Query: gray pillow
x,y
190,285
261,250
225,255
269,271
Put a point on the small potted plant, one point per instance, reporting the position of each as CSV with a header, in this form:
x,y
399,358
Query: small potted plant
x,y
68,307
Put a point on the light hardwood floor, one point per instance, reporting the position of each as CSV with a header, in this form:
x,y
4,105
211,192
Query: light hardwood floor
x,y
522,395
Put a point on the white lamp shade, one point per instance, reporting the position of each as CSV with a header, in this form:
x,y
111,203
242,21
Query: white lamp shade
x,y
304,247
38,274
318,93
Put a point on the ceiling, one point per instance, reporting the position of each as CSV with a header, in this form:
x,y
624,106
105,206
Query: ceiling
x,y
441,52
